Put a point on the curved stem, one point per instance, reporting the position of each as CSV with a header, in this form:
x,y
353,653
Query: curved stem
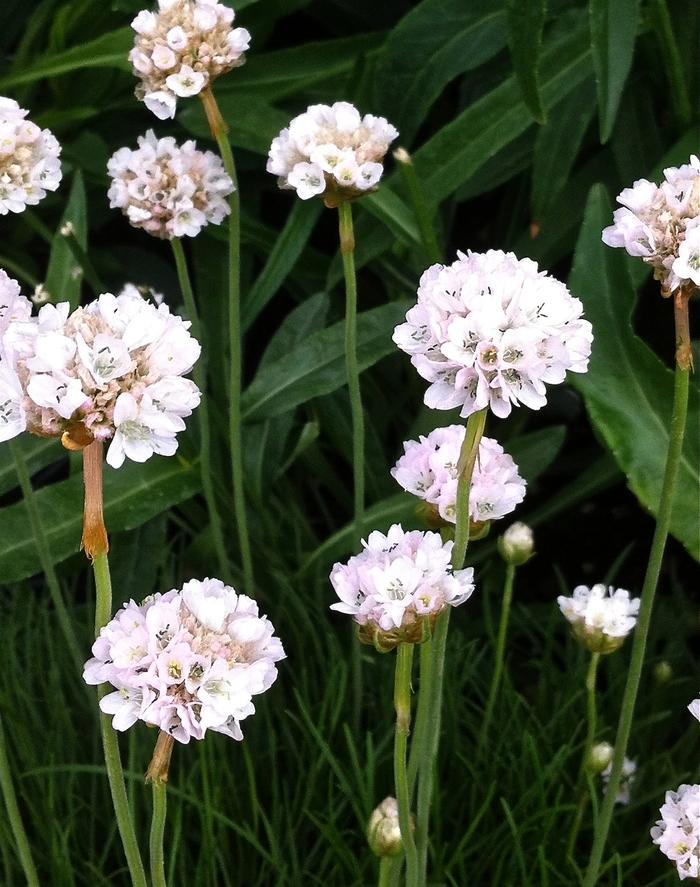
x,y
219,130
45,559
13,815
663,521
402,704
591,719
200,378
157,856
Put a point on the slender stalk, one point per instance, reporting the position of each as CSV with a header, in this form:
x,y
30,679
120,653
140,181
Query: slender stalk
x,y
663,521
157,856
385,867
591,719
219,132
424,217
13,815
421,734
42,545
671,57
434,665
200,377
402,704
500,653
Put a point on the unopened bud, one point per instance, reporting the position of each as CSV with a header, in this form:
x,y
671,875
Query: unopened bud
x,y
516,546
383,831
662,672
600,757
67,229
401,155
41,295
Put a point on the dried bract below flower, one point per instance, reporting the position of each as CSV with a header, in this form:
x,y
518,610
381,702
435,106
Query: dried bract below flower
x,y
398,585
677,833
429,470
112,370
492,331
29,164
331,150
167,189
661,225
601,617
180,49
187,661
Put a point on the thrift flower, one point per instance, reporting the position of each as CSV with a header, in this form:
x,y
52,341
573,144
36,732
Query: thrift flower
x,y
660,225
181,49
516,546
331,150
677,833
428,469
187,661
383,830
601,618
167,189
398,585
629,772
492,331
29,164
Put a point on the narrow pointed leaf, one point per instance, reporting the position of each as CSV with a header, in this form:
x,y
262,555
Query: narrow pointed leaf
x,y
525,26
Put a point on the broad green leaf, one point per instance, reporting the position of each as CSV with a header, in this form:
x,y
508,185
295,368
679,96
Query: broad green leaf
x,y
613,34
133,495
628,390
389,208
64,275
39,452
317,366
534,452
525,26
297,326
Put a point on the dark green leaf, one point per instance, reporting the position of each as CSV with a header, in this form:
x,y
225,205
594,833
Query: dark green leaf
x,y
535,452
525,26
253,123
297,326
39,452
64,275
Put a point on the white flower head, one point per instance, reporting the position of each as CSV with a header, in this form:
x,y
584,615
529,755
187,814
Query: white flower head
x,y
677,833
601,617
491,331
383,829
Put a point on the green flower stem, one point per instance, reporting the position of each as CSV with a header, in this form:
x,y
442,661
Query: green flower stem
x,y
591,720
421,211
200,377
157,856
219,131
433,665
13,815
425,695
402,704
385,868
663,521
42,544
500,654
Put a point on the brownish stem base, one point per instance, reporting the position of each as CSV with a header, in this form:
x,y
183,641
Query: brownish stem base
x,y
684,352
160,762
94,533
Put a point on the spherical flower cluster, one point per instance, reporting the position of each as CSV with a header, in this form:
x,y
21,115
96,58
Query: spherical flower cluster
x,y
428,469
383,829
661,225
180,49
29,164
601,618
110,371
677,833
517,545
398,585
167,189
627,777
331,150
187,661
491,331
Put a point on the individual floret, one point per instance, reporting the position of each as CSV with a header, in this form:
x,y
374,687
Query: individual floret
x,y
492,331
677,833
601,617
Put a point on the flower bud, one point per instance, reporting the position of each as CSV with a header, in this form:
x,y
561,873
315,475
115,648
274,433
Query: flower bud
x,y
662,673
383,831
516,546
600,757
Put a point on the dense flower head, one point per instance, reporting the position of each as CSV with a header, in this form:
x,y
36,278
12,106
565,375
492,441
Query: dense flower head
x,y
187,661
112,370
383,829
167,189
627,777
428,469
491,330
398,585
661,225
29,164
601,617
331,150
677,833
181,48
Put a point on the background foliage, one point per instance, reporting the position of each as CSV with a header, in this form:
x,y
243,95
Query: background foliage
x,y
524,120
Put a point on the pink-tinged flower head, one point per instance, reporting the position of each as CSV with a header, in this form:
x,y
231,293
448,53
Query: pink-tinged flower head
x,y
677,833
180,49
111,371
428,469
398,585
187,661
601,617
331,150
659,224
29,164
491,331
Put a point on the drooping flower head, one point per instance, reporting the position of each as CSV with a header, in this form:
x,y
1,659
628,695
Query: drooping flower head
x,y
181,48
428,469
187,661
492,331
167,189
331,150
398,585
677,833
112,370
661,225
601,617
29,164
627,778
